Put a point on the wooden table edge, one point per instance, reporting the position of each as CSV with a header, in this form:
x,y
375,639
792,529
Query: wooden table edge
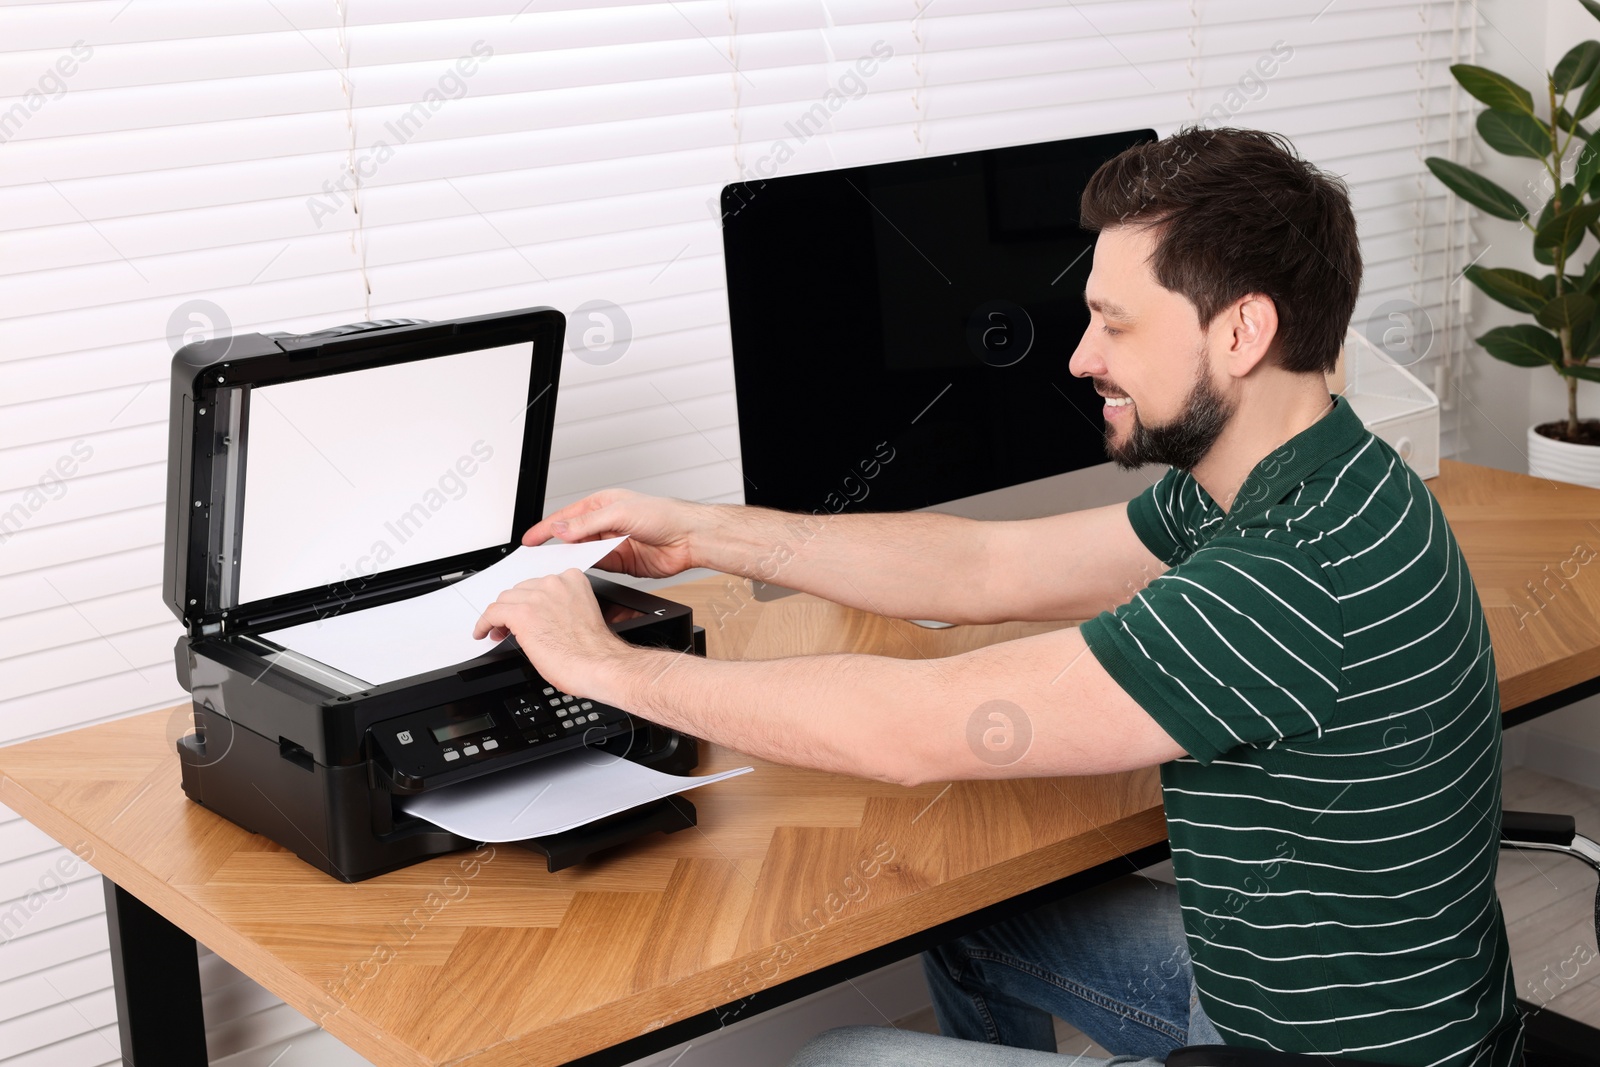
x,y
195,920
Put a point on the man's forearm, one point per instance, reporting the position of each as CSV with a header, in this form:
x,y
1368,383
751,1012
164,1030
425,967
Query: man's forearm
x,y
904,565
1038,706
839,713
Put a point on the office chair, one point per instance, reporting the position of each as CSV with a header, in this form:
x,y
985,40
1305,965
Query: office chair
x,y
1556,1040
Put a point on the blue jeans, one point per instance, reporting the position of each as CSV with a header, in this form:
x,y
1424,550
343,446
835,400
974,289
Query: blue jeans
x,y
1112,961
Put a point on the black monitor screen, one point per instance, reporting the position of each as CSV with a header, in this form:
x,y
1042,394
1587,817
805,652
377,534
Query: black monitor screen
x,y
901,331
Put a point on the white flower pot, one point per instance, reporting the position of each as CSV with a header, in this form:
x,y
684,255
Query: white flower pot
x,y
1562,460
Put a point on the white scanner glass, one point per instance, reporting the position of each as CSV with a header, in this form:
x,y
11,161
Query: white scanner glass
x,y
350,475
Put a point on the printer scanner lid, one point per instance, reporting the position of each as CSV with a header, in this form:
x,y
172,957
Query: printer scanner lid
x,y
309,474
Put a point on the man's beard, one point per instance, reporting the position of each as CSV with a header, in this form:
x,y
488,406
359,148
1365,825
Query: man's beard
x,y
1185,441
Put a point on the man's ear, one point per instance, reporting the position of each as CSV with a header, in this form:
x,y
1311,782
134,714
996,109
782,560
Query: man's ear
x,y
1248,328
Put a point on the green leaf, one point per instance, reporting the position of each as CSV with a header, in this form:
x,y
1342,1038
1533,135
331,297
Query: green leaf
x,y
1567,311
1547,256
1496,90
1477,190
1566,230
1547,286
1589,101
1566,123
1584,336
1594,8
1577,66
1588,345
1512,288
1524,345
1588,162
1591,374
1591,274
1515,135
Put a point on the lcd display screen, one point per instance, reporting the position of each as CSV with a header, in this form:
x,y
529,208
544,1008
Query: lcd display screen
x,y
451,731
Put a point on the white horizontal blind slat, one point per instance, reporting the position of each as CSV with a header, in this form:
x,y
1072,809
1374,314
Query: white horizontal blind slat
x,y
80,977
64,942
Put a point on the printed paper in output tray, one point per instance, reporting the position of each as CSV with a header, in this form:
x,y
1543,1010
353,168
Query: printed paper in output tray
x,y
549,795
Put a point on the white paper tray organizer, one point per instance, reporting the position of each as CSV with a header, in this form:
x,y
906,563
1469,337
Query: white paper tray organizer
x,y
1392,403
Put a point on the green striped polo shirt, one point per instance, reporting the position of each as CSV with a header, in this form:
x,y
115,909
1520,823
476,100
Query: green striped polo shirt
x,y
1321,654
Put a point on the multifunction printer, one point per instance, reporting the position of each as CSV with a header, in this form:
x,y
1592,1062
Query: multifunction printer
x,y
324,474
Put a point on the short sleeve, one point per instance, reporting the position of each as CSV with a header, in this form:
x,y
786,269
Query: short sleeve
x,y
1240,644
1156,516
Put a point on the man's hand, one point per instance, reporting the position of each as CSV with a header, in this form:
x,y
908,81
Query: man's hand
x,y
557,622
659,531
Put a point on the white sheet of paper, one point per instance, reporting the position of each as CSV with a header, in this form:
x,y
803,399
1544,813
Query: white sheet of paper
x,y
550,795
430,631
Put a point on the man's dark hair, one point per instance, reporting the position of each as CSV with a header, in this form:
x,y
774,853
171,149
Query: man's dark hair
x,y
1240,212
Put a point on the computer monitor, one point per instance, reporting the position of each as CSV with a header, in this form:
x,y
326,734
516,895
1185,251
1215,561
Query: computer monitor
x,y
901,333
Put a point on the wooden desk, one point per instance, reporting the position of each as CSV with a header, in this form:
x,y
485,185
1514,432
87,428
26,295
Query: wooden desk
x,y
1519,535
794,879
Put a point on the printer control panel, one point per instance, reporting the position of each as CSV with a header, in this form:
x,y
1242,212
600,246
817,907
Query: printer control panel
x,y
552,715
449,742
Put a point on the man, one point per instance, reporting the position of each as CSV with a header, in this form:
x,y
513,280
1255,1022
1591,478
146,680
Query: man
x,y
1305,657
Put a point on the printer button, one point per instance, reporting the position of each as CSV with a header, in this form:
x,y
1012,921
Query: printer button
x,y
490,745
471,750
549,691
562,713
568,699
404,737
593,715
568,723
586,706
451,754
555,703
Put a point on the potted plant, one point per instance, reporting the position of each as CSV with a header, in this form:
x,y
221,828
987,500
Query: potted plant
x,y
1565,333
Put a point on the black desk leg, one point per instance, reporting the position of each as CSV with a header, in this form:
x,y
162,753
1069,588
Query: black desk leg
x,y
157,975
